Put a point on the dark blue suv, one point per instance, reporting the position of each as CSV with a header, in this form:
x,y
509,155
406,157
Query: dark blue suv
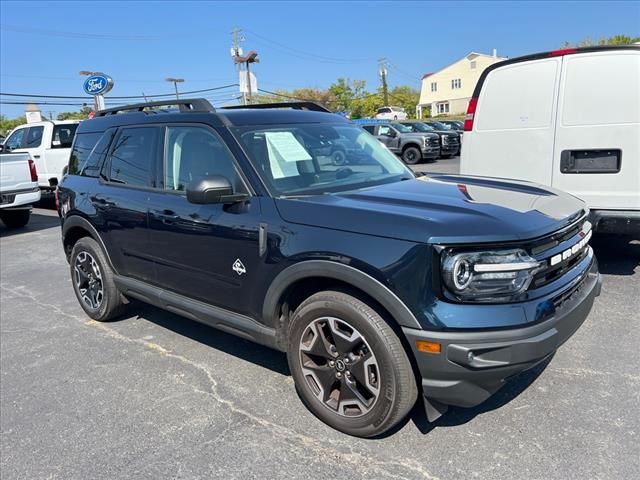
x,y
380,286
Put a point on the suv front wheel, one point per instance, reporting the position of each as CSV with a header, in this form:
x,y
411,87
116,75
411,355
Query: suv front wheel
x,y
349,366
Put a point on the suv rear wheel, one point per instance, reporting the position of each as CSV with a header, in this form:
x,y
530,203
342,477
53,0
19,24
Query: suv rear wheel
x,y
92,280
349,366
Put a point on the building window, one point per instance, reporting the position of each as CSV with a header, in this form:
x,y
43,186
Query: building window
x,y
473,64
434,86
443,108
456,83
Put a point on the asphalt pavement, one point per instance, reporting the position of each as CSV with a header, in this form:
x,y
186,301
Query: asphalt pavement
x,y
154,395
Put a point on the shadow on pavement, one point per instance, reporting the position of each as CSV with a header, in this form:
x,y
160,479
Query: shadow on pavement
x,y
616,254
36,222
214,338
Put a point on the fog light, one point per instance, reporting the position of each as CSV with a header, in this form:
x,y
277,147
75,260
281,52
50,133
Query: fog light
x,y
428,347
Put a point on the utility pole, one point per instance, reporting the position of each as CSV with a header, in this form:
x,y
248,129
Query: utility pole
x,y
175,82
382,63
240,60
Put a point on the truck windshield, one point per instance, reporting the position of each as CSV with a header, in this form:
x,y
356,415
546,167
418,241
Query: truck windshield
x,y
310,159
440,126
401,128
422,127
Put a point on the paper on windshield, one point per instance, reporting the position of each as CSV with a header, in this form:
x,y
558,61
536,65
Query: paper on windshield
x,y
284,151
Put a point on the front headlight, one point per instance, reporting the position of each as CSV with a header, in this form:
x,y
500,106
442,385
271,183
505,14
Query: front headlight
x,y
489,276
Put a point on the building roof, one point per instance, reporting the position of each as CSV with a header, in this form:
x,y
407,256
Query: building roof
x,y
470,56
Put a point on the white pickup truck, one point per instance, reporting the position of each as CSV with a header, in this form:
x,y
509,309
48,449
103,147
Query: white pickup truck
x,y
48,143
18,188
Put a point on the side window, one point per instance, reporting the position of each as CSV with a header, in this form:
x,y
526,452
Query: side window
x,y
386,131
194,152
16,139
369,128
34,137
63,135
133,157
80,152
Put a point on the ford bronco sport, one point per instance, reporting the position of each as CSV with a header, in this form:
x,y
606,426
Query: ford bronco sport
x,y
378,285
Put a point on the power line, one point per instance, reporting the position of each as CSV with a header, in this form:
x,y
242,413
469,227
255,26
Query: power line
x,y
93,36
118,98
307,55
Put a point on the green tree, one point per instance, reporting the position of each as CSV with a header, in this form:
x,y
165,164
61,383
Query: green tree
x,y
405,97
615,40
6,124
81,115
343,94
366,106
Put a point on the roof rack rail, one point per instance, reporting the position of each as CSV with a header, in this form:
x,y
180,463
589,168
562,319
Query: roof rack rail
x,y
187,105
316,107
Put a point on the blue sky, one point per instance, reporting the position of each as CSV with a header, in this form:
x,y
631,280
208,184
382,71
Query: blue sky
x,y
43,45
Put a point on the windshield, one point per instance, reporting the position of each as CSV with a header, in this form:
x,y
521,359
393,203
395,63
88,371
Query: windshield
x,y
310,159
422,127
440,126
401,128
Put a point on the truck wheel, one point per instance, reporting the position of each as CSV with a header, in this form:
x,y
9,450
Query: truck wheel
x,y
348,365
411,155
339,158
15,218
92,280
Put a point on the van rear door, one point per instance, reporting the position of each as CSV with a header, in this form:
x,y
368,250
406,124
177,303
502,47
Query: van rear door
x,y
597,145
514,123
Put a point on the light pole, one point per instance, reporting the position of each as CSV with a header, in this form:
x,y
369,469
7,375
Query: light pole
x,y
175,82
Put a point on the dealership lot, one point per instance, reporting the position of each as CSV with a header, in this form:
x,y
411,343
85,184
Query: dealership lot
x,y
154,395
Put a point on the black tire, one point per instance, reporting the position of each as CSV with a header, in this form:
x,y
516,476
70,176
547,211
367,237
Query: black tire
x,y
339,157
395,117
88,263
381,360
411,155
15,218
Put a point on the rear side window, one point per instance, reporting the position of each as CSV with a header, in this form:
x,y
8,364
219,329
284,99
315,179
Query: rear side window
x,y
133,157
601,89
34,137
83,146
369,128
519,96
63,135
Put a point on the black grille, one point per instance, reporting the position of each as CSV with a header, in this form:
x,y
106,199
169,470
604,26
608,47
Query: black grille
x,y
433,142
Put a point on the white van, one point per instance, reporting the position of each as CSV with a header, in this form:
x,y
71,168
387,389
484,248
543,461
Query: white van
x,y
569,119
48,143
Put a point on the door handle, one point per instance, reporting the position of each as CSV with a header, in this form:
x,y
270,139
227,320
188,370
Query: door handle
x,y
36,156
167,216
101,202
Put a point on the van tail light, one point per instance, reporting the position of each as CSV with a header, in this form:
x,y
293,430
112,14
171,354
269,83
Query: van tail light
x,y
471,113
33,171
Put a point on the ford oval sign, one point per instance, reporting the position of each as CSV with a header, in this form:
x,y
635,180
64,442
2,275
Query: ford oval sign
x,y
98,84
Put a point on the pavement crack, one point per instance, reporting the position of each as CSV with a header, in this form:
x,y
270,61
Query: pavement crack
x,y
304,445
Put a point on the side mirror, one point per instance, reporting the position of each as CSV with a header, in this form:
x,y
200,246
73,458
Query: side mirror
x,y
391,134
210,189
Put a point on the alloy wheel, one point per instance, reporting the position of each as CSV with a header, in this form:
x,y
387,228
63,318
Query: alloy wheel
x,y
339,367
88,278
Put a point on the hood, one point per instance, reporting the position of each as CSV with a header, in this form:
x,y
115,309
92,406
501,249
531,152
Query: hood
x,y
440,209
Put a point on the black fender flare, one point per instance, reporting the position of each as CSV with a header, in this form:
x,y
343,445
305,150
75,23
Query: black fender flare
x,y
74,221
339,271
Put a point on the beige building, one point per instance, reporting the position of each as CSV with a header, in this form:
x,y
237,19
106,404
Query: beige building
x,y
448,91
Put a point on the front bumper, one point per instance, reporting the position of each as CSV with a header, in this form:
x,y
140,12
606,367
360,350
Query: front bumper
x,y
473,364
616,221
430,151
450,149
